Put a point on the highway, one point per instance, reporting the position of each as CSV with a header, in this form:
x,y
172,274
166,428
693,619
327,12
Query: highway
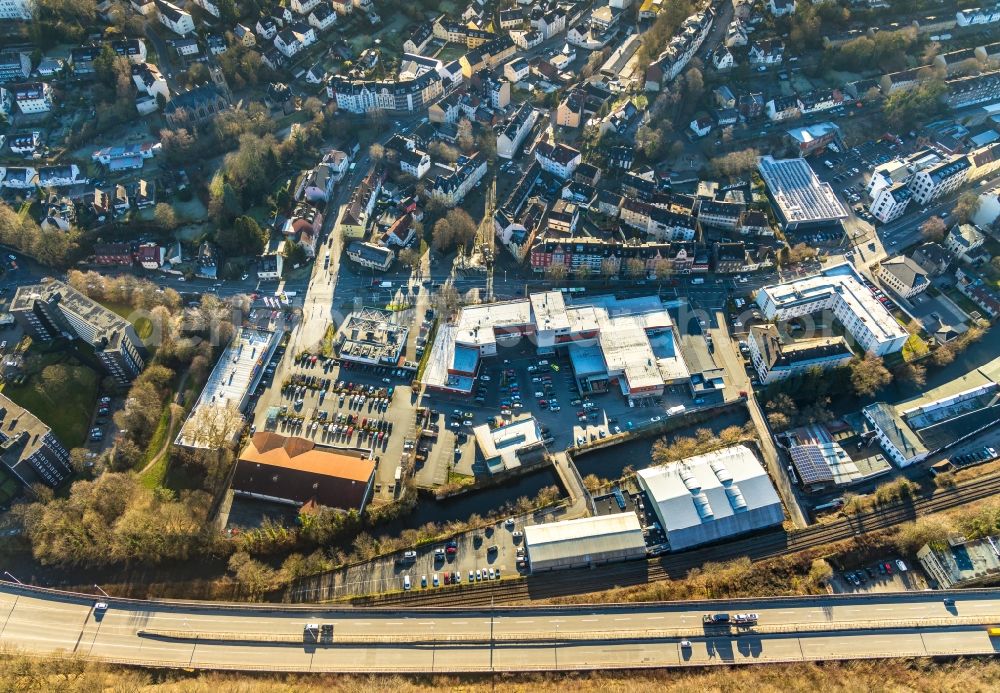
x,y
249,637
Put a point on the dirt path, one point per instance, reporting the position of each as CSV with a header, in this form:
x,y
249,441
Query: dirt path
x,y
170,429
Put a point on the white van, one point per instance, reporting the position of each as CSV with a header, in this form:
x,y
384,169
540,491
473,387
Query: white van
x,y
406,582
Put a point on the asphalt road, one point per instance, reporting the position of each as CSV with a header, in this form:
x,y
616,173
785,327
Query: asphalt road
x,y
244,637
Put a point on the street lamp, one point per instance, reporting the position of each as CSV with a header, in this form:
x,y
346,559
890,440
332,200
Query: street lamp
x,y
98,588
12,577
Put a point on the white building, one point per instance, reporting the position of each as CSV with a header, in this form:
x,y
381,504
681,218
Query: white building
x,y
780,8
209,6
451,189
588,541
15,9
32,97
711,497
890,202
174,18
978,15
903,276
931,183
899,441
149,80
837,289
511,134
560,159
516,70
962,239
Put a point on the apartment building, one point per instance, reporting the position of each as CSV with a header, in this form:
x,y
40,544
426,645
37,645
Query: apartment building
x,y
28,448
511,134
174,18
903,276
559,159
451,189
52,309
933,182
775,358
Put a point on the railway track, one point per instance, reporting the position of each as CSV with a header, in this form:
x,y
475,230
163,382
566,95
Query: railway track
x,y
672,566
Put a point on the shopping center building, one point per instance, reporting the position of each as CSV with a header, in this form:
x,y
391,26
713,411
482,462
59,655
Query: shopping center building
x,y
630,344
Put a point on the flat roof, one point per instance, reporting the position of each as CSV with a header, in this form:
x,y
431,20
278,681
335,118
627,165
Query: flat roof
x,y
371,335
823,288
554,541
706,488
226,388
503,444
798,193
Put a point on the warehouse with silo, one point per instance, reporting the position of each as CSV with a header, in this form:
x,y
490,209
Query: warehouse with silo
x,y
585,542
711,497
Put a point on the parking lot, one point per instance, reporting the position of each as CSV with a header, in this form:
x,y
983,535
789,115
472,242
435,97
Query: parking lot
x,y
492,548
517,383
348,406
882,575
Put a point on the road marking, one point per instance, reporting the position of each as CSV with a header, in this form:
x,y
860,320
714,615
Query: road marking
x,y
588,620
624,618
656,618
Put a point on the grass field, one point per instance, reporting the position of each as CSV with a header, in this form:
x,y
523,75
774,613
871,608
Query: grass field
x,y
143,326
61,392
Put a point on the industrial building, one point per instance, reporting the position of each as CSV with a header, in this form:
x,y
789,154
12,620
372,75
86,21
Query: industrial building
x,y
711,497
584,542
820,462
217,417
962,563
295,470
840,290
630,343
912,430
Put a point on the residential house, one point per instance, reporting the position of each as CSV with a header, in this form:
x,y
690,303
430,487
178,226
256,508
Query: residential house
x,y
245,35
267,28
722,59
516,70
354,220
962,239
370,255
174,18
972,90
767,52
400,233
978,291
932,258
144,194
775,358
132,48
935,181
187,47
621,157
903,276
620,120
22,145
978,15
452,188
754,223
147,79
559,159
701,126
890,202
119,202
723,215
515,129
59,176
29,452
14,66
32,97
113,254
783,108
569,113
780,8
323,16
100,205
216,44
151,256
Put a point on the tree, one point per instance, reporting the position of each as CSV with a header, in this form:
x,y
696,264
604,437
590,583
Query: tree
x,y
933,229
869,375
912,373
556,272
781,411
967,206
635,268
253,576
820,572
164,216
411,258
377,152
734,164
609,267
465,139
908,107
243,237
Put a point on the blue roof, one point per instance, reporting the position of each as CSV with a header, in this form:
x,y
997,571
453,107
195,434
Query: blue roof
x,y
465,359
587,360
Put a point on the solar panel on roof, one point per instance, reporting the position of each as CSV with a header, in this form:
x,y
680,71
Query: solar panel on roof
x,y
811,465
